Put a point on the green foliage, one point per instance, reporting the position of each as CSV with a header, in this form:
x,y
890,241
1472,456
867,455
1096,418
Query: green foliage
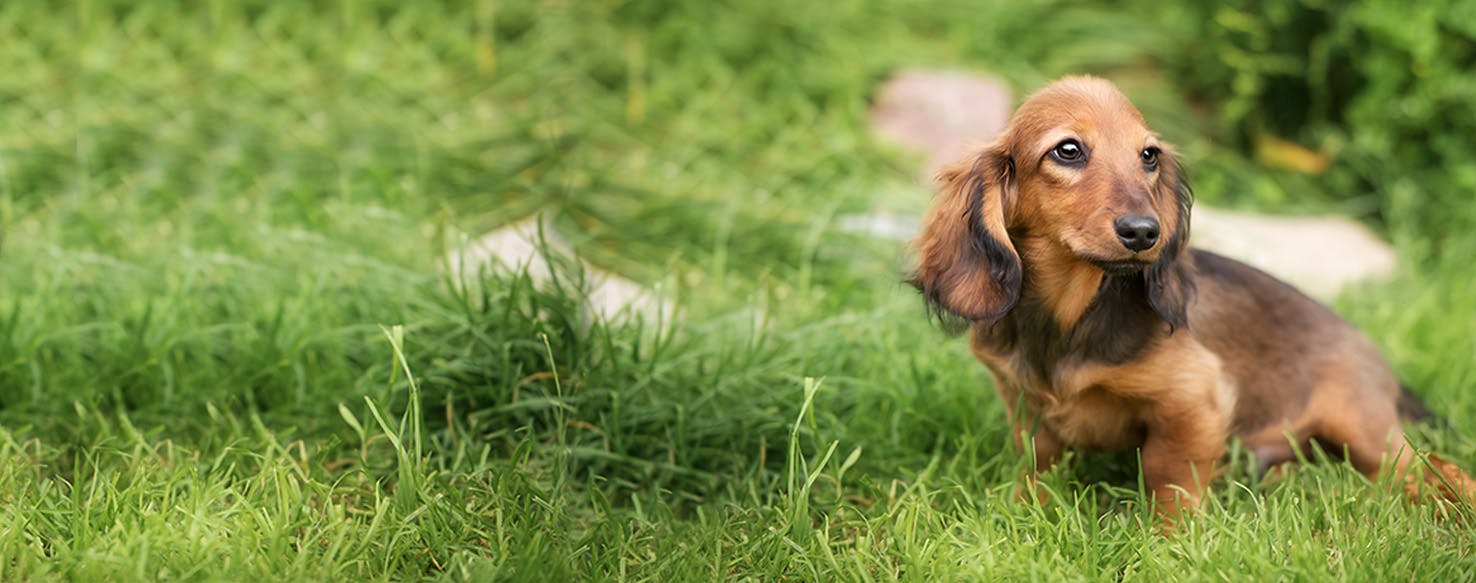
x,y
1382,86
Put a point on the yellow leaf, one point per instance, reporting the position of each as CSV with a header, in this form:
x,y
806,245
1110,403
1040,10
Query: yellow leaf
x,y
1274,152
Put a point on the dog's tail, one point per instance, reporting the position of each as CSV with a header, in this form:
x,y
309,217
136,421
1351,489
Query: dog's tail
x,y
1411,408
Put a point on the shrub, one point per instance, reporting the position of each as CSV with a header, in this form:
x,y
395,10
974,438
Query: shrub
x,y
1380,87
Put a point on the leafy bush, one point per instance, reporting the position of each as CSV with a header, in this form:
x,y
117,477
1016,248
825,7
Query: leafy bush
x,y
1380,87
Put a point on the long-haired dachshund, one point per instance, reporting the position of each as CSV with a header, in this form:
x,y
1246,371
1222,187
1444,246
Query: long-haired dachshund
x,y
1061,247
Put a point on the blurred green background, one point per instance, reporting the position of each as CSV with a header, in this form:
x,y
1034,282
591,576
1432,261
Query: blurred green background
x,y
212,210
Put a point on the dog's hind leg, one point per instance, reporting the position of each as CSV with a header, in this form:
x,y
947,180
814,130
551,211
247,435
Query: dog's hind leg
x,y
1375,443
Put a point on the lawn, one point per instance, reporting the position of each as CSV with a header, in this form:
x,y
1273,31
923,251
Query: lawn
x,y
228,352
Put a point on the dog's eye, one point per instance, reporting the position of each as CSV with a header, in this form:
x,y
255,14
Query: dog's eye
x,y
1069,152
1150,157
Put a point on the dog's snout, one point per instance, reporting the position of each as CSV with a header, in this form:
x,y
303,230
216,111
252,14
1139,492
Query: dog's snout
x,y
1137,232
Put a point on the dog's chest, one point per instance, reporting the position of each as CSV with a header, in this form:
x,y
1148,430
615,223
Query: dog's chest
x,y
1094,418
1084,413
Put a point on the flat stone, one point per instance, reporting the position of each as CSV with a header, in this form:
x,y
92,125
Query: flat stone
x,y
608,296
885,225
941,113
1320,255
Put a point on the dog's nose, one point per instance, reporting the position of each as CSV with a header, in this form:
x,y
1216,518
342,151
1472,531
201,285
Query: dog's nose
x,y
1137,232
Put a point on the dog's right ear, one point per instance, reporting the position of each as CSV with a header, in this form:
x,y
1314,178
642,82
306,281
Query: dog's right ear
x,y
967,269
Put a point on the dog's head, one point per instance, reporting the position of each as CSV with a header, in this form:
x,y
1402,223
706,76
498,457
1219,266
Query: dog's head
x,y
1076,169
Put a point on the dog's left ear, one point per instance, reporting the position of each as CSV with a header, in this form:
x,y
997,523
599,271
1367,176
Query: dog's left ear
x,y
1170,287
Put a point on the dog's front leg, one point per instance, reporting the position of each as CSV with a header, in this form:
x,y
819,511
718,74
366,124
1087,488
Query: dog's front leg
x,y
1184,443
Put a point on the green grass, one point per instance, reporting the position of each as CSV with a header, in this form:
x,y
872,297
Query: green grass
x,y
227,352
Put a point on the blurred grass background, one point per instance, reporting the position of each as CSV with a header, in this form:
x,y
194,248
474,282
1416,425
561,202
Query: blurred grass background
x,y
213,209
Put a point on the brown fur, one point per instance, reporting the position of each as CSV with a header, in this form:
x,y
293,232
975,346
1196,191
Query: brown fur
x,y
1166,349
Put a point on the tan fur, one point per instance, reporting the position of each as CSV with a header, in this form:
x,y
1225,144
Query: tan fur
x,y
1093,345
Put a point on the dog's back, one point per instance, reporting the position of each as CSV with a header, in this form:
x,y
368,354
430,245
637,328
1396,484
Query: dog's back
x,y
1297,366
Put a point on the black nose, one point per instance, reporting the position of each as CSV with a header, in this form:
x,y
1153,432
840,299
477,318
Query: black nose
x,y
1137,232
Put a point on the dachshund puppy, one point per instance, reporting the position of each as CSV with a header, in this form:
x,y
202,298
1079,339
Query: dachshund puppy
x,y
1061,248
